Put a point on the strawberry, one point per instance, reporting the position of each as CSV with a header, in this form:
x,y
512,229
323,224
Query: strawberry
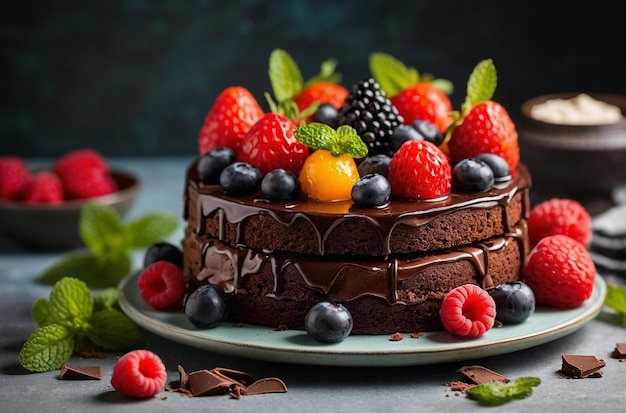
x,y
13,175
42,188
270,144
419,170
415,97
560,272
484,126
232,115
84,174
559,216
289,87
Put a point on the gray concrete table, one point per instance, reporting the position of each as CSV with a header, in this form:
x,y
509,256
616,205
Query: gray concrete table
x,y
311,388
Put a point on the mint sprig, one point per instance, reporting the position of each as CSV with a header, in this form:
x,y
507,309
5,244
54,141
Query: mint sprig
x,y
70,321
496,393
394,76
344,140
110,244
616,301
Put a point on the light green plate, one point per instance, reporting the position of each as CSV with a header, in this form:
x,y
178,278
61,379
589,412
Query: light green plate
x,y
294,346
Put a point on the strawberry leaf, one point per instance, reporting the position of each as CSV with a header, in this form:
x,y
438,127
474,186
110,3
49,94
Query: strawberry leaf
x,y
285,76
481,84
326,74
392,75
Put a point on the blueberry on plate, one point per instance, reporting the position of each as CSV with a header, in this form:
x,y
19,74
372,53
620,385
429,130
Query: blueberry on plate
x,y
328,322
280,185
515,302
472,175
163,251
499,166
212,163
206,306
375,164
240,178
371,191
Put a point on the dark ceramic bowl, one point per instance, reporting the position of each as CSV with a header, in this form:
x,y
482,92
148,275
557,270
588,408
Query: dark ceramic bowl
x,y
582,162
55,227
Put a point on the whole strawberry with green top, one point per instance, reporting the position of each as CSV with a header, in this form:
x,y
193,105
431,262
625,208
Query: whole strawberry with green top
x,y
232,115
483,126
416,97
288,85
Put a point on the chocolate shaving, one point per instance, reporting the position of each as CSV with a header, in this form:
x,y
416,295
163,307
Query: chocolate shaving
x,y
581,366
80,373
220,381
479,375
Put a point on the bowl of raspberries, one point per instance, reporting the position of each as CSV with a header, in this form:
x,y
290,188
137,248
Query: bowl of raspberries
x,y
40,207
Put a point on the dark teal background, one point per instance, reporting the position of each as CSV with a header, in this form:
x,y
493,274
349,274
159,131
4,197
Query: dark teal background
x,y
137,77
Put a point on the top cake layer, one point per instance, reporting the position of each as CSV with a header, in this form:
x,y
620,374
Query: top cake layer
x,y
309,227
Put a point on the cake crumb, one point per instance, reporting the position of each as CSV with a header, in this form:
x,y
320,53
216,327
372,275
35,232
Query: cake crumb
x,y
281,327
416,335
396,337
92,353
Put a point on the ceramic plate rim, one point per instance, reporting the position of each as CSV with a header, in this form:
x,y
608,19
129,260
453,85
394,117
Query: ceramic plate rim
x,y
294,346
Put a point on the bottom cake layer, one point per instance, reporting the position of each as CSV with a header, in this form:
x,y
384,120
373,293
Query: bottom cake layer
x,y
384,296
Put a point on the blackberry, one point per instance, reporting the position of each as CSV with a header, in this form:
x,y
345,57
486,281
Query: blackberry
x,y
368,110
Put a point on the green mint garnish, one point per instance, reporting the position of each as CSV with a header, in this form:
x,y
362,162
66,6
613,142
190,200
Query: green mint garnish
x,y
342,141
110,243
69,321
615,300
394,76
481,84
497,393
285,76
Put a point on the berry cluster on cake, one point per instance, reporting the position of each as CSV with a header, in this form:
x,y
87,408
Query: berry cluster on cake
x,y
379,199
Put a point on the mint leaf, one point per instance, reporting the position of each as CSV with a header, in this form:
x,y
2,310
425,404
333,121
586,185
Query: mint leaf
x,y
74,265
71,303
497,393
285,76
149,229
47,348
109,272
342,141
106,298
101,229
616,300
326,74
481,84
41,313
113,330
392,75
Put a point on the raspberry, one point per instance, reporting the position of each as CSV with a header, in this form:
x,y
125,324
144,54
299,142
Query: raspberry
x,y
559,216
162,285
139,374
419,170
13,174
560,272
85,174
42,188
468,311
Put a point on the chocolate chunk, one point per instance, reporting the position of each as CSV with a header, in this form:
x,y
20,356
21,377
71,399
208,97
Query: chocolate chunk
x,y
480,374
581,366
80,373
267,385
210,382
620,351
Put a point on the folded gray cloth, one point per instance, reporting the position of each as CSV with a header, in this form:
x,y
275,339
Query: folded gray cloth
x,y
608,242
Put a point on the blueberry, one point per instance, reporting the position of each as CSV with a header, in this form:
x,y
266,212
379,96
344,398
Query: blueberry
x,y
212,163
280,185
326,114
328,322
375,164
206,306
472,175
240,178
499,166
372,190
402,134
428,131
515,302
163,251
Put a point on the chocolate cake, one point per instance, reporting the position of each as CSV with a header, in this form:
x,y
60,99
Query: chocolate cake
x,y
390,266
